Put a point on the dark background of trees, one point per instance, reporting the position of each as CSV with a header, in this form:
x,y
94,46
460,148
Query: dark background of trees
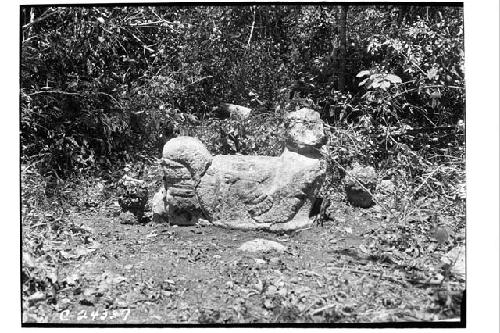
x,y
100,84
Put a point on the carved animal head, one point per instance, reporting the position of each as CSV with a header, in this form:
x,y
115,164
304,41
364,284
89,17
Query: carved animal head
x,y
305,132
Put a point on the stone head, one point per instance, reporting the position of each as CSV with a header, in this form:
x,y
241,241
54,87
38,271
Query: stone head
x,y
305,132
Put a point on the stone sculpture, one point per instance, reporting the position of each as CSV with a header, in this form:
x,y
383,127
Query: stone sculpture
x,y
247,191
132,198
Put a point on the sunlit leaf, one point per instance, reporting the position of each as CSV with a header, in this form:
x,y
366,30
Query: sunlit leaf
x,y
363,73
432,73
363,82
393,78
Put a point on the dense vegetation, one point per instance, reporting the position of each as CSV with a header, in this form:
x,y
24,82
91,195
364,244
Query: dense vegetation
x,y
99,83
103,88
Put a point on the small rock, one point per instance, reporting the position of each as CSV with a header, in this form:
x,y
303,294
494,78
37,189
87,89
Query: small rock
x,y
275,261
441,234
358,195
88,291
203,222
127,218
386,187
262,245
216,256
260,262
72,279
455,259
36,297
159,206
86,301
232,111
271,290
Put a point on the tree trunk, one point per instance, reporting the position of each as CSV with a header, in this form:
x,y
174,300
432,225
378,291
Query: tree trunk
x,y
342,21
403,10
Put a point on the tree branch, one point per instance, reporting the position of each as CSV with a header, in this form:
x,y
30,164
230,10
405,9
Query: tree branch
x,y
41,18
196,81
74,94
253,26
53,92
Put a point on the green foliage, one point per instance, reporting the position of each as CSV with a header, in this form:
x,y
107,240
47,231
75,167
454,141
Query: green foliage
x,y
429,58
101,84
258,135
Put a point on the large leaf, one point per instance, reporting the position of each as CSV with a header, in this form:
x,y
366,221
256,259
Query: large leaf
x,y
385,84
393,78
363,73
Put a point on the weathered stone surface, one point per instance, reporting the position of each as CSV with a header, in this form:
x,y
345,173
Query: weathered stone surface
x,y
188,152
127,218
305,132
386,187
132,196
263,192
260,192
175,172
455,260
159,206
357,194
185,160
262,245
247,192
183,210
232,111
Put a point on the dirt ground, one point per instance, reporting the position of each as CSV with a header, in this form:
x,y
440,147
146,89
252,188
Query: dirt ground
x,y
360,267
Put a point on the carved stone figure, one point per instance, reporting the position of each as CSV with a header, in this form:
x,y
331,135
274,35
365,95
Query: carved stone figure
x,y
245,191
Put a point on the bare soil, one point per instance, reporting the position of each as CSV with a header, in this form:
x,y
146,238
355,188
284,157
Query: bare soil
x,y
360,267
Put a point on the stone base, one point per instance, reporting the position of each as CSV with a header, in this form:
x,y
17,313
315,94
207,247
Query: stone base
x,y
260,192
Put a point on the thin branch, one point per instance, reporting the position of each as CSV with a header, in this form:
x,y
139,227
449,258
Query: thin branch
x,y
327,307
41,18
253,26
74,94
53,92
425,87
146,24
380,274
199,80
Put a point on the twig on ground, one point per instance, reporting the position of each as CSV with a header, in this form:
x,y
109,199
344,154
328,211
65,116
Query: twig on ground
x,y
326,307
305,272
379,274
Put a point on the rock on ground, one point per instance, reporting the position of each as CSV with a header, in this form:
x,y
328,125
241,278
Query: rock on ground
x,y
305,132
455,259
358,195
386,187
127,218
232,111
133,196
159,206
262,245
